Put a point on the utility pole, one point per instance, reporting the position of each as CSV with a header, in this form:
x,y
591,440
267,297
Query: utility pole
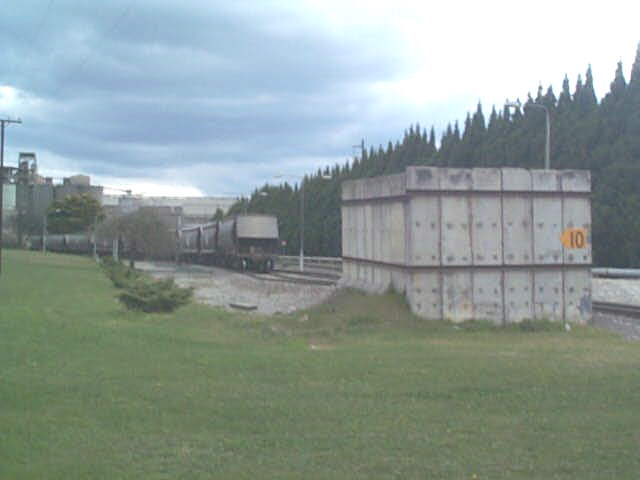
x,y
95,244
360,146
3,122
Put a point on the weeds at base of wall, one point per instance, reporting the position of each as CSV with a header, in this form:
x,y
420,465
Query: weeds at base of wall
x,y
527,325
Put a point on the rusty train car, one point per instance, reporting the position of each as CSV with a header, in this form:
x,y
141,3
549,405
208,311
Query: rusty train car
x,y
242,242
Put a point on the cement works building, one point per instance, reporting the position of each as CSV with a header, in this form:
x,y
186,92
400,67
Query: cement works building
x,y
27,195
472,243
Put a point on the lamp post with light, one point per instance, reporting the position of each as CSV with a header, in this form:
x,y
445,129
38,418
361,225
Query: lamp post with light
x,y
547,149
298,177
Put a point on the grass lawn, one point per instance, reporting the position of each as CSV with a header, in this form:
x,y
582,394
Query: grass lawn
x,y
356,388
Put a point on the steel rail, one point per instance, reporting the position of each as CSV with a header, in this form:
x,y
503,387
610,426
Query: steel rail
x,y
617,309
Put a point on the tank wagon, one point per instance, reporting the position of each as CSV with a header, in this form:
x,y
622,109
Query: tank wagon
x,y
243,242
78,243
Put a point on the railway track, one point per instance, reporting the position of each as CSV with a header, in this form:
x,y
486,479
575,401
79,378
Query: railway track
x,y
280,276
617,309
309,273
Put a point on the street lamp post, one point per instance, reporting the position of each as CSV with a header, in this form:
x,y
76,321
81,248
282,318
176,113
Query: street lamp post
x,y
298,177
547,148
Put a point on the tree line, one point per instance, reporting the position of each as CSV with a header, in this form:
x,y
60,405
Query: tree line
x,y
602,136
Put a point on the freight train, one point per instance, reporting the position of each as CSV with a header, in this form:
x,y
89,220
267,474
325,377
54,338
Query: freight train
x,y
242,242
78,243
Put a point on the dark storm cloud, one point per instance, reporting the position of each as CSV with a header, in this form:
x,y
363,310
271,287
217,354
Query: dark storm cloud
x,y
125,87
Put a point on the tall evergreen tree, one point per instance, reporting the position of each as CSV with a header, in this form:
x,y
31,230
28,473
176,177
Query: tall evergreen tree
x,y
602,136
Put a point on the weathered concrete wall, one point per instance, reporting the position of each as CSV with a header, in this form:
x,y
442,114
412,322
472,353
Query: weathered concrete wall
x,y
472,243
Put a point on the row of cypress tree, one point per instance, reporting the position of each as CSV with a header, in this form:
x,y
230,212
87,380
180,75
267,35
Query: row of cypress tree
x,y
602,136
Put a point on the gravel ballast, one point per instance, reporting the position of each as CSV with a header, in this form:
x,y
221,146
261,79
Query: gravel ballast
x,y
222,288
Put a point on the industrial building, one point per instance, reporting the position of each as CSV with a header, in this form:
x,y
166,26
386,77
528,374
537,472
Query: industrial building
x,y
473,243
27,195
193,210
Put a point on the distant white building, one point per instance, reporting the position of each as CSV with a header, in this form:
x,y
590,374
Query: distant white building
x,y
194,209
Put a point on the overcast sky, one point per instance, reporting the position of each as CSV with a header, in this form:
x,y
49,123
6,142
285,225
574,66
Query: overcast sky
x,y
217,97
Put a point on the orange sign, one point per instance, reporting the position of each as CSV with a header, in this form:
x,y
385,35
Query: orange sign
x,y
574,238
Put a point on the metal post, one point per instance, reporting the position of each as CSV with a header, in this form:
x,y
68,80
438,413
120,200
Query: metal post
x,y
44,233
302,225
95,243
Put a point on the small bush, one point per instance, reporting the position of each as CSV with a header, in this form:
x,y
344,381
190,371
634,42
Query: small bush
x,y
154,295
121,275
143,293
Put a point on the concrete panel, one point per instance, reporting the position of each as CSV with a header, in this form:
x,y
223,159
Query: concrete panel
x,y
577,295
518,291
545,181
425,295
424,231
486,179
455,232
547,228
575,180
576,212
347,231
376,187
487,303
548,295
457,295
360,228
486,230
396,185
368,232
397,234
516,231
400,280
456,179
423,178
376,236
516,179
386,232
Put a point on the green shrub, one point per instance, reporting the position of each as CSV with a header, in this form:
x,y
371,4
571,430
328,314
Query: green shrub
x,y
121,275
154,295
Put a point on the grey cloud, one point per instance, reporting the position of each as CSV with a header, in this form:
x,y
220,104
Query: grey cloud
x,y
183,87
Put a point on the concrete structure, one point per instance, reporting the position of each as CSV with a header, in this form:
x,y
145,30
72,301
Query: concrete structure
x,y
472,243
9,216
77,185
9,197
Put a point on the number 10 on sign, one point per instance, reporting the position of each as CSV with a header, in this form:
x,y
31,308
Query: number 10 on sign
x,y
574,238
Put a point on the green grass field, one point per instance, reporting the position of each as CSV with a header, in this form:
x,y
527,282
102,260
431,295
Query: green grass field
x,y
357,388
